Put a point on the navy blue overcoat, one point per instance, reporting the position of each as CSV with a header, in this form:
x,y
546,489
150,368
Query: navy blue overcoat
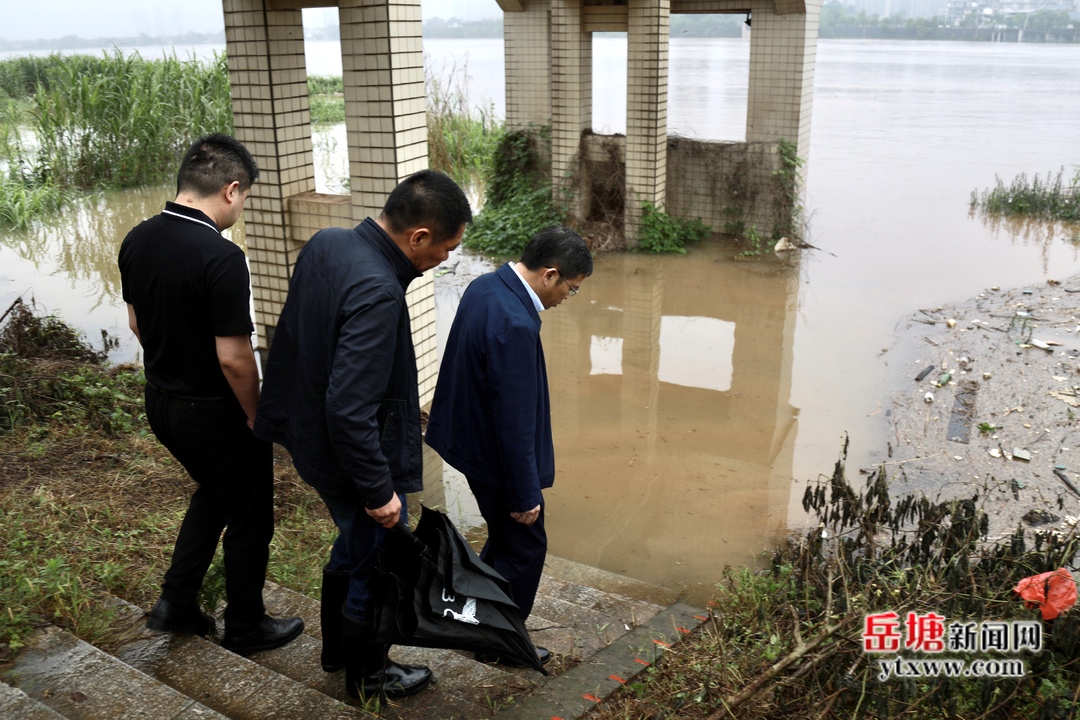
x,y
491,416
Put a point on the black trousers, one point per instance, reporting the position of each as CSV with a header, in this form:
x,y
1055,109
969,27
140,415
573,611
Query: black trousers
x,y
235,475
516,551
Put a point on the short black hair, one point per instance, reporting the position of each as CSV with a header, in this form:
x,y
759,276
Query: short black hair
x,y
214,161
427,198
560,248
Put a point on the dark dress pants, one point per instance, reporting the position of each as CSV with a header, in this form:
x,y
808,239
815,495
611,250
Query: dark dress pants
x,y
356,548
516,551
234,471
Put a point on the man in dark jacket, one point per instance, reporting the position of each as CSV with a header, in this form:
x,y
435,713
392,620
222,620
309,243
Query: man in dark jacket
x,y
186,289
491,418
340,393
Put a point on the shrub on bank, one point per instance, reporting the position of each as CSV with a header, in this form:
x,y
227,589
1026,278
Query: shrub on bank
x,y
790,642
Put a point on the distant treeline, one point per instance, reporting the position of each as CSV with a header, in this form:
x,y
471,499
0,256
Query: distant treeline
x,y
841,21
73,42
837,21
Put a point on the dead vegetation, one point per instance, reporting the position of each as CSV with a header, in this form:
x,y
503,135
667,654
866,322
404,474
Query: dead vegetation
x,y
789,642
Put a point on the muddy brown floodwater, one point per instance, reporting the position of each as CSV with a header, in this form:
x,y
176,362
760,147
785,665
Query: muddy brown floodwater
x,y
695,396
674,434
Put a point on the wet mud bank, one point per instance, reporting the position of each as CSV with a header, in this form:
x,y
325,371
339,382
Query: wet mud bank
x,y
988,404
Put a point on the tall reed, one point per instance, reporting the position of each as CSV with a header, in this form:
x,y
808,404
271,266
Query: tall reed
x,y
461,139
121,121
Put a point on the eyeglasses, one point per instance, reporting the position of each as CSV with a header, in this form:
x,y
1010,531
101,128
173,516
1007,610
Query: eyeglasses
x,y
573,290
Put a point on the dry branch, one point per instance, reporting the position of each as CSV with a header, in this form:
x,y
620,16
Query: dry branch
x,y
740,698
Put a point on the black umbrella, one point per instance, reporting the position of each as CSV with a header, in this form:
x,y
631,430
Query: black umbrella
x,y
435,592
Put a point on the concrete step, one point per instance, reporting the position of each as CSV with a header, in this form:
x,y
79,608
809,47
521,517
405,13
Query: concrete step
x,y
230,684
463,688
17,705
576,691
594,623
81,682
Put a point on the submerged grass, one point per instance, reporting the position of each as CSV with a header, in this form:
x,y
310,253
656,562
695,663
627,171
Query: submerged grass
x,y
1054,198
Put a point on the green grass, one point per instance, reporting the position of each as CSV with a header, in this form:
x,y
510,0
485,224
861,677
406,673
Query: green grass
x,y
22,203
327,99
92,502
1054,198
662,233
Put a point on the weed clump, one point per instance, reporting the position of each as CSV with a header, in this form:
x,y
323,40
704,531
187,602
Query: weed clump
x,y
48,371
519,200
662,233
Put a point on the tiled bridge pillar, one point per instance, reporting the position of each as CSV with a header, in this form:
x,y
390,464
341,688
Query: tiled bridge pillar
x,y
386,124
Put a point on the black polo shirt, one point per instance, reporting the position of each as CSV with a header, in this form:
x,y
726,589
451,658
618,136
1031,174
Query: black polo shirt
x,y
188,285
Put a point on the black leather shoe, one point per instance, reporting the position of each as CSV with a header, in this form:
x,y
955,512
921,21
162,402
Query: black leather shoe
x,y
271,633
395,682
543,653
166,617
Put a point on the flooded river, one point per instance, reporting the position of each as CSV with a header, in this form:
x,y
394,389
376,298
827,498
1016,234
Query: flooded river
x,y
694,396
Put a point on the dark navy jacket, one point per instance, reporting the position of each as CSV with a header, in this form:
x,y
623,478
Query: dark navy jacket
x,y
491,416
340,388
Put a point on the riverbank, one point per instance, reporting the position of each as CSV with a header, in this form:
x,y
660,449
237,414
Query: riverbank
x,y
1005,425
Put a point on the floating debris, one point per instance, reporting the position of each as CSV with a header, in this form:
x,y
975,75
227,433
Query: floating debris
x,y
1039,517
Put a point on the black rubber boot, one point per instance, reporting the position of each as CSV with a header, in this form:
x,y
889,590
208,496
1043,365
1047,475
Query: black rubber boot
x,y
370,673
335,588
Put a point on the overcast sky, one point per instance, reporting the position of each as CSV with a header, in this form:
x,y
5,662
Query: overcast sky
x,y
122,18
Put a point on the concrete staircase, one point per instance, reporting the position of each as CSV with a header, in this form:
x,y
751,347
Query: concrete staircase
x,y
602,629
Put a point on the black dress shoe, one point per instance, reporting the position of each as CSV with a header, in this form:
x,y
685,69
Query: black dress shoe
x,y
166,617
394,682
270,634
543,653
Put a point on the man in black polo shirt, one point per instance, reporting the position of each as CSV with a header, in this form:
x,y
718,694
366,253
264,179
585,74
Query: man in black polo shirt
x,y
187,295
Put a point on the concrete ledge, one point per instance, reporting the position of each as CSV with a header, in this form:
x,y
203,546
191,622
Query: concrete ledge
x,y
576,691
17,705
81,682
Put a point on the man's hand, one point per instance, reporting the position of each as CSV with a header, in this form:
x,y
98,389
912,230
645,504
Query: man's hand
x,y
387,515
528,517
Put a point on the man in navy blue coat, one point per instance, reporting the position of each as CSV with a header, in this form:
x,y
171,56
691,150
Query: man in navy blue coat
x,y
491,417
341,395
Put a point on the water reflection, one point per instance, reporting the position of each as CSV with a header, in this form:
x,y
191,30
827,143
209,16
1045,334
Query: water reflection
x,y
82,241
1029,231
68,262
670,389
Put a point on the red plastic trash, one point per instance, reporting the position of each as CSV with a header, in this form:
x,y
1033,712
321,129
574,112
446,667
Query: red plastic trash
x,y
1052,592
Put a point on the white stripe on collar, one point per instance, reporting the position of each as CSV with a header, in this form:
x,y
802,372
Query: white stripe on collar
x,y
196,220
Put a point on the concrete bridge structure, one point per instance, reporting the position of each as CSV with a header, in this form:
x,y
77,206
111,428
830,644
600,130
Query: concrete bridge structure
x,y
548,49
